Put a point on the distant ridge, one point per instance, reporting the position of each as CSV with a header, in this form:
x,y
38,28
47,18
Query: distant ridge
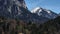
x,y
44,12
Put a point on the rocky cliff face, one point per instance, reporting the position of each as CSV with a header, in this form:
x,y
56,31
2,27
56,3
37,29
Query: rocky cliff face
x,y
11,8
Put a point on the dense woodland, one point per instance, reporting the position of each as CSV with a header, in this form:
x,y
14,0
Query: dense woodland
x,y
16,26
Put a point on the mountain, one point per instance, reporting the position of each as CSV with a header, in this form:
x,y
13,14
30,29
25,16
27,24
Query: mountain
x,y
44,12
17,9
11,8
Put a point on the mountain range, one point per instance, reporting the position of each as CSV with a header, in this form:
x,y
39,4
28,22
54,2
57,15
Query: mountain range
x,y
17,9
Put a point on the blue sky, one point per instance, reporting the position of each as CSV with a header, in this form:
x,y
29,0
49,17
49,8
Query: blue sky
x,y
53,5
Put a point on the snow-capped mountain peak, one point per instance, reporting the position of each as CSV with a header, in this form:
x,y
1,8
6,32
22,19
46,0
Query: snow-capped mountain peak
x,y
44,12
36,9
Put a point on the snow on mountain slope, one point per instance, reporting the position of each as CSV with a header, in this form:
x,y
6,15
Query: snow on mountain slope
x,y
44,12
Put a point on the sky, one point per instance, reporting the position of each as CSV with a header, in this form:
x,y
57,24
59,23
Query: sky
x,y
53,5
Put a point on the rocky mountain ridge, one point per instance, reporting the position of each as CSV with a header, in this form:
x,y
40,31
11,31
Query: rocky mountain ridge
x,y
44,12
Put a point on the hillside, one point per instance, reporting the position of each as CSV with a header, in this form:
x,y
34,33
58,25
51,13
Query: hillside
x,y
15,26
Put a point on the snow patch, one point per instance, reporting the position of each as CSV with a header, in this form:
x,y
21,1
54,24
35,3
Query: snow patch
x,y
48,12
34,10
40,10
